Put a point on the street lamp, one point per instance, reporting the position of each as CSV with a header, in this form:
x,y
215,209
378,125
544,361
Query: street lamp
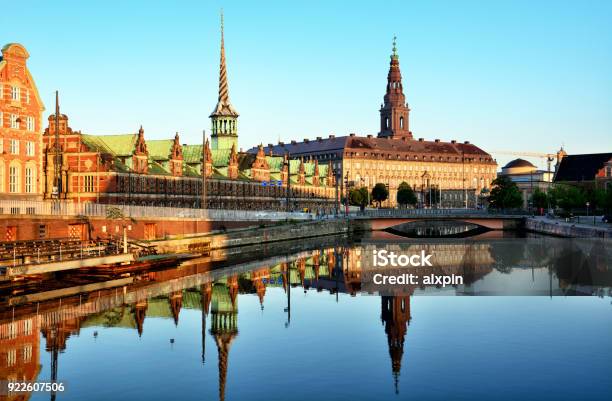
x,y
587,206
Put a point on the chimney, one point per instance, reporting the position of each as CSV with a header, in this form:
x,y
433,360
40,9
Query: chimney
x,y
466,142
352,134
421,139
319,139
454,141
293,142
306,140
332,136
281,143
437,141
270,146
369,136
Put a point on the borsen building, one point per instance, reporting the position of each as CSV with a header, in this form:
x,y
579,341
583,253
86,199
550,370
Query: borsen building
x,y
443,174
131,169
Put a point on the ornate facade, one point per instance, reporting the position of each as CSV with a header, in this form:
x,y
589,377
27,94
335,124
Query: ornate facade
x,y
446,174
128,168
20,127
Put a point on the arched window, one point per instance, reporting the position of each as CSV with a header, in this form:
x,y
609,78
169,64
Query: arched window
x,y
387,122
1,175
402,122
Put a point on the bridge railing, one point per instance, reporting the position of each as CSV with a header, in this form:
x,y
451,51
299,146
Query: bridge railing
x,y
375,213
64,208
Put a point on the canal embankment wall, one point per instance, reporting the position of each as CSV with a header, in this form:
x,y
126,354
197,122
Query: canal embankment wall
x,y
564,229
283,231
37,227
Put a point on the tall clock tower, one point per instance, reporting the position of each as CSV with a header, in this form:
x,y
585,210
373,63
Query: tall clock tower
x,y
394,113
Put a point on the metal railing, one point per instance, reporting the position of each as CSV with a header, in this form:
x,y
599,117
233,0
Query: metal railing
x,y
64,208
369,213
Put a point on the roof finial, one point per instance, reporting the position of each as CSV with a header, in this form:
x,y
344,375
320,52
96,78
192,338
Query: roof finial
x,y
222,25
394,54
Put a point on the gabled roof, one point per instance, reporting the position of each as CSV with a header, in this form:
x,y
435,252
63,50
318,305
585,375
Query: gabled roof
x,y
581,167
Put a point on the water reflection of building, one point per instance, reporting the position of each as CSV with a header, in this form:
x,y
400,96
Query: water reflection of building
x,y
164,294
395,315
224,327
19,353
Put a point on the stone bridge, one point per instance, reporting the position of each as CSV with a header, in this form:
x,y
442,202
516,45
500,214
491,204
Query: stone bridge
x,y
383,219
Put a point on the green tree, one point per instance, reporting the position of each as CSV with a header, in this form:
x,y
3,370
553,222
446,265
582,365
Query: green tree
x,y
359,197
505,194
539,199
355,198
568,197
405,195
380,193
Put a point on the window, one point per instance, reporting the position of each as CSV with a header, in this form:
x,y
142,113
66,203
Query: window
x,y
1,176
14,122
14,146
1,91
402,122
27,96
88,185
15,93
1,120
14,179
27,353
30,126
29,179
30,148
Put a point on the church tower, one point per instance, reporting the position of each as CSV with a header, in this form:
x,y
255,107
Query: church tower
x,y
394,112
224,117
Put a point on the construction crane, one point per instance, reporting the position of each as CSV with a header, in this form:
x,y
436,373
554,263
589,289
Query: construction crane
x,y
550,157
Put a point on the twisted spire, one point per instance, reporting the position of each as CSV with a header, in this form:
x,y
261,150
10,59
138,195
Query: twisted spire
x,y
224,107
223,86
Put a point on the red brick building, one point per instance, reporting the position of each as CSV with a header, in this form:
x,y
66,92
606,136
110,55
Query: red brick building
x,y
20,127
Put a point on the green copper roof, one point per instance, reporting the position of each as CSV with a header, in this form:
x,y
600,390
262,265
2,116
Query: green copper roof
x,y
220,157
117,145
220,299
160,149
192,153
116,317
156,168
190,171
323,170
275,163
309,168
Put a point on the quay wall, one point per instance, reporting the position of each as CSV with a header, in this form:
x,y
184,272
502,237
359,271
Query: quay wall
x,y
570,230
253,237
35,227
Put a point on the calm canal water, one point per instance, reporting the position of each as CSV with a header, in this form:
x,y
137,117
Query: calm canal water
x,y
298,327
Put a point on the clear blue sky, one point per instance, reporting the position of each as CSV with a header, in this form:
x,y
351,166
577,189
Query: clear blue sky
x,y
506,75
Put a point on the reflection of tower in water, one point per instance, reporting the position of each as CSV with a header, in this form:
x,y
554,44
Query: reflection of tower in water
x,y
224,327
395,315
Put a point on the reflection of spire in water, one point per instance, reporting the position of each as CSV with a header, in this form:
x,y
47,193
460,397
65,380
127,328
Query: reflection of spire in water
x,y
205,295
224,327
176,302
140,312
395,315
